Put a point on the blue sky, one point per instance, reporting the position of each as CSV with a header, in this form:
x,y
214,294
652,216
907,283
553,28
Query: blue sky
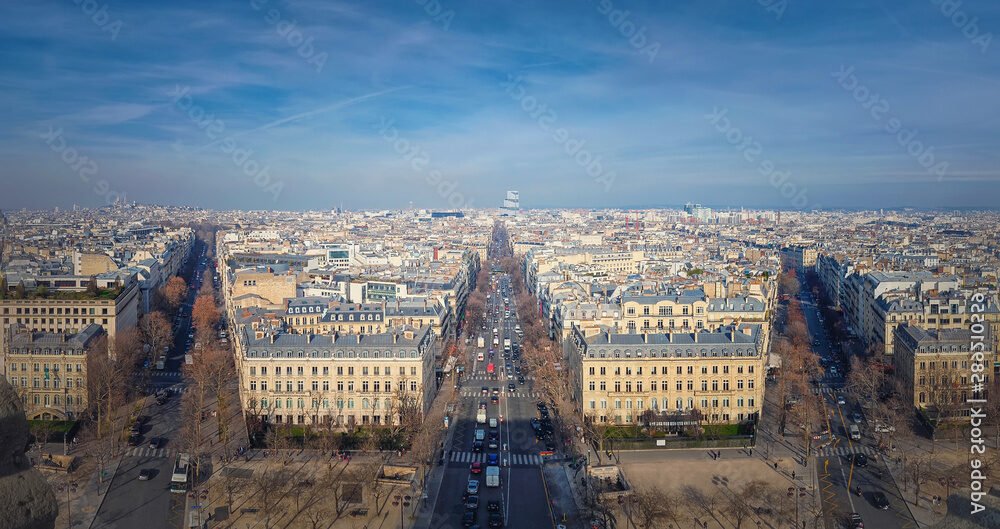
x,y
90,108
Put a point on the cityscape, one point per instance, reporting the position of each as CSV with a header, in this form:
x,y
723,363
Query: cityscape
x,y
568,265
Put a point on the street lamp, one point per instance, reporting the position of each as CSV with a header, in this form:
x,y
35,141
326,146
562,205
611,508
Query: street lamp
x,y
401,501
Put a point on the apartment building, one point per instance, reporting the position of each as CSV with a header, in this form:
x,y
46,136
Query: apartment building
x,y
318,315
64,305
346,380
620,376
934,368
49,371
269,288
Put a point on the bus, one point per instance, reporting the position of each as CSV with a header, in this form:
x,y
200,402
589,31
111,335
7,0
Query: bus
x,y
181,474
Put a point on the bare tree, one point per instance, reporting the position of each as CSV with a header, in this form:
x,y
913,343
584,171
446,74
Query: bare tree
x,y
270,490
156,332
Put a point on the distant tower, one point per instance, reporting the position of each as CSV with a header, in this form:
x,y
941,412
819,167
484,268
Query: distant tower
x,y
512,202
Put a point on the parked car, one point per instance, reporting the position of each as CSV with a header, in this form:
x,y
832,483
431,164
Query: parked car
x,y
854,521
155,442
469,518
145,474
496,520
841,400
472,487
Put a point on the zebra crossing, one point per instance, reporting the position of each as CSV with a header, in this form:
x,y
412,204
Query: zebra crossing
x,y
844,451
489,378
167,374
145,451
825,390
513,459
519,394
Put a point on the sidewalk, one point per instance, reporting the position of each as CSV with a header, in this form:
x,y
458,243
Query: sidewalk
x,y
425,509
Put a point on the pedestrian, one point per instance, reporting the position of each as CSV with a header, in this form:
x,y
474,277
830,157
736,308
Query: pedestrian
x,y
776,465
793,474
751,452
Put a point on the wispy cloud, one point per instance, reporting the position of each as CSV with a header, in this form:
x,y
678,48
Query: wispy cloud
x,y
314,127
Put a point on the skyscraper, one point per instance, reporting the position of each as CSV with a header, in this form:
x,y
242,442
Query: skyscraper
x,y
513,201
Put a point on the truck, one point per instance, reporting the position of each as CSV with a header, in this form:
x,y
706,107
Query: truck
x,y
481,342
481,415
492,476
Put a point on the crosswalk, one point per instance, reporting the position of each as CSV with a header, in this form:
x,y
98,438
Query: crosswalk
x,y
488,378
176,388
844,450
825,390
145,451
518,394
513,459
167,374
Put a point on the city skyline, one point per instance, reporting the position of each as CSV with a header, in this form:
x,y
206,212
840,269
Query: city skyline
x,y
307,105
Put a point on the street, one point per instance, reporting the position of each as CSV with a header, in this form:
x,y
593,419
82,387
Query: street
x,y
149,504
523,495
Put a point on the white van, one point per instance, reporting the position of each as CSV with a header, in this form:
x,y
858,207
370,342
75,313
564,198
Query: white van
x,y
855,432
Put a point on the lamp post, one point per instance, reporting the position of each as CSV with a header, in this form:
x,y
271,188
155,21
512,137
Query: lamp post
x,y
401,501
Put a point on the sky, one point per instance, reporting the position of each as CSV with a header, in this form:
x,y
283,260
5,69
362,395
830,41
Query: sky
x,y
306,105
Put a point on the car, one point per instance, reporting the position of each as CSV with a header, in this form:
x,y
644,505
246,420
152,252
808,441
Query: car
x,y
540,405
134,440
854,521
495,399
511,387
880,501
493,506
472,487
496,520
155,442
472,502
856,417
477,446
469,518
476,467
841,400
485,391
145,474
520,379
860,460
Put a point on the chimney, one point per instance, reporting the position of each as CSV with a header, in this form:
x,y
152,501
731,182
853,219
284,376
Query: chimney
x,y
359,338
609,336
273,336
258,334
732,334
395,338
696,336
645,337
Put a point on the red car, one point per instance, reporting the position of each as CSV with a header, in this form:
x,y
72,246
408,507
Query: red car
x,y
476,468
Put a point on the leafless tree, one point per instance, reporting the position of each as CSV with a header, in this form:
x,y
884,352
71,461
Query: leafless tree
x,y
269,491
156,332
